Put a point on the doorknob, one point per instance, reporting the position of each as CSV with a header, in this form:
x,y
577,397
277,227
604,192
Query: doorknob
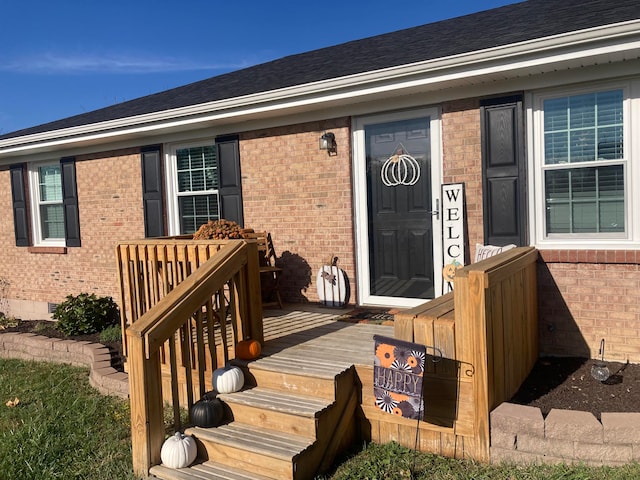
x,y
436,212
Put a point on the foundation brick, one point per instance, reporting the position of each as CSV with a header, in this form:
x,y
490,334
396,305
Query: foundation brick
x,y
604,453
100,364
545,446
621,427
572,425
504,455
39,341
503,439
78,346
114,383
635,452
94,349
512,418
63,346
102,357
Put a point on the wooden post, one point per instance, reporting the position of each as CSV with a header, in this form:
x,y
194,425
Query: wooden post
x,y
145,396
253,293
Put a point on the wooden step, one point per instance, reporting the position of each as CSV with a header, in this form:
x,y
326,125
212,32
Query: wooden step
x,y
204,471
277,455
302,377
276,410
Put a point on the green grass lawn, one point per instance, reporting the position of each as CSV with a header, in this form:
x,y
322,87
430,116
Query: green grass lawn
x,y
64,429
393,462
61,428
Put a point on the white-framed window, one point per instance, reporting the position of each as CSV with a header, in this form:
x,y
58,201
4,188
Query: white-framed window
x,y
192,186
583,167
47,210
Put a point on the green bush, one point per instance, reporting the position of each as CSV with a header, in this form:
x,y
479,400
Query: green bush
x,y
111,334
85,314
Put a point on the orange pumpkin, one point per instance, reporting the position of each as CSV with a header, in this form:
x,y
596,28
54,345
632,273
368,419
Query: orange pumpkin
x,y
248,349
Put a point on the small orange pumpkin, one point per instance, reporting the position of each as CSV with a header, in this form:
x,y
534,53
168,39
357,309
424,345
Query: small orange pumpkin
x,y
248,349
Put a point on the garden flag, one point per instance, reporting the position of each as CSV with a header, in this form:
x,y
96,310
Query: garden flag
x,y
398,370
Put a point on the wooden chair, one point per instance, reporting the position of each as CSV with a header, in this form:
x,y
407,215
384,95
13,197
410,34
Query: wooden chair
x,y
269,272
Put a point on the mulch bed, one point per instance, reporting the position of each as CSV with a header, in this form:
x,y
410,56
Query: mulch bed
x,y
567,383
553,383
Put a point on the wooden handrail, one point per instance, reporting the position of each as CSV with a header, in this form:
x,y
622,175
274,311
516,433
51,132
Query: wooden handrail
x,y
166,344
162,321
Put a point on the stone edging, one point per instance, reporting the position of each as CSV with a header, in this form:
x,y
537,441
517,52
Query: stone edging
x,y
103,377
520,434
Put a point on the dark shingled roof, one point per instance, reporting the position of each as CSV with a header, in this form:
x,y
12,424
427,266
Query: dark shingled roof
x,y
491,28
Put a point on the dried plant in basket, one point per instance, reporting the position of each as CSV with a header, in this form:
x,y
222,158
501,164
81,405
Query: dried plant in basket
x,y
218,230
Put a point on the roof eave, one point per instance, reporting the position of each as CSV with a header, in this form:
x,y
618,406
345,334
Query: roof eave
x,y
586,45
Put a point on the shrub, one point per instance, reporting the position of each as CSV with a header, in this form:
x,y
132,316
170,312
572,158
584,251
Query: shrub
x,y
111,334
8,322
85,314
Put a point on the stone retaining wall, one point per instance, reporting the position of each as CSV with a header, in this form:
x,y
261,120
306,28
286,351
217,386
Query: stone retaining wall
x,y
103,377
520,434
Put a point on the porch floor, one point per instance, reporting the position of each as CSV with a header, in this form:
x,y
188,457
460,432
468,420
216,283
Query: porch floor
x,y
309,338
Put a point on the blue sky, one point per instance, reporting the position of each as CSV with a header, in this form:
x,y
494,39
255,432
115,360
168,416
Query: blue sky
x,y
63,58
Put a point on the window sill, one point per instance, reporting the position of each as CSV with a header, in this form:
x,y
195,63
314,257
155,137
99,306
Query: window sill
x,y
48,250
590,256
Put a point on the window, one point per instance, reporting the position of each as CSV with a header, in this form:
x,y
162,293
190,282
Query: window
x,y
48,211
583,171
193,187
45,204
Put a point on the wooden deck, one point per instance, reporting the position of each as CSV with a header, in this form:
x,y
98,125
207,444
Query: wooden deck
x,y
311,393
309,337
299,405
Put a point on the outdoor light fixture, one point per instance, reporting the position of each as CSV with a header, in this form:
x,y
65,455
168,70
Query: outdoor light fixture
x,y
328,142
599,370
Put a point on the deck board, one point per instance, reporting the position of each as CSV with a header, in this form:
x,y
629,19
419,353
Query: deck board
x,y
314,341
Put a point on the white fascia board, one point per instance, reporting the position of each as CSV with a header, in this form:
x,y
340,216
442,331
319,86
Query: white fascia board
x,y
582,45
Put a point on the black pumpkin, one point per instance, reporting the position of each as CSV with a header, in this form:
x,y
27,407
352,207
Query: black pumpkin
x,y
207,412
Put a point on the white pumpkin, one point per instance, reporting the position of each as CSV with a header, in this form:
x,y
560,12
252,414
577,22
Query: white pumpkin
x,y
179,451
228,379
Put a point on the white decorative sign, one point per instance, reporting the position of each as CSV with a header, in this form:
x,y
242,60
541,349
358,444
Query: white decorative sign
x,y
400,169
453,234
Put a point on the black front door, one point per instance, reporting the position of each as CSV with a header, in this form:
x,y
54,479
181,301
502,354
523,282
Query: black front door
x,y
398,164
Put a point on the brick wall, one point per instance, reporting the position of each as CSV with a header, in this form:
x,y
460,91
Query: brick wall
x,y
462,160
585,296
303,197
110,206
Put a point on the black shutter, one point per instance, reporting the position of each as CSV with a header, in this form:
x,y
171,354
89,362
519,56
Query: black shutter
x,y
229,179
19,197
152,192
70,202
503,171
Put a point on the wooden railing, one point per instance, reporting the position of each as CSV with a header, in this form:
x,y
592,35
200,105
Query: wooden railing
x,y
184,333
149,269
496,301
487,332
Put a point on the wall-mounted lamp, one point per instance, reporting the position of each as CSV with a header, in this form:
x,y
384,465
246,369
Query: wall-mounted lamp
x,y
328,143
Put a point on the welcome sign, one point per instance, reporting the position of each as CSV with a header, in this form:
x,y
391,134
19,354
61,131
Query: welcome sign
x,y
398,370
453,234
